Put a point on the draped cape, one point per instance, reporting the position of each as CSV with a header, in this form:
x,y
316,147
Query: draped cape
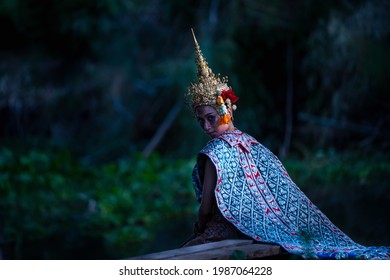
x,y
255,193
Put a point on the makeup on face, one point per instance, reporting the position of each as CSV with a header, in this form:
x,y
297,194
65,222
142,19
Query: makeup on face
x,y
208,119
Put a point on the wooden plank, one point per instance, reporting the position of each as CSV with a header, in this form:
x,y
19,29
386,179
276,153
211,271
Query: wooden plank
x,y
260,250
181,252
220,250
251,251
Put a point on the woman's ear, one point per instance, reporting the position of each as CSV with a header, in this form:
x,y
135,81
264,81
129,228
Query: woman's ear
x,y
230,113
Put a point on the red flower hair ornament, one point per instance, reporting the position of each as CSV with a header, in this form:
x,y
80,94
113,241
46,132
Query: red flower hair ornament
x,y
225,100
228,93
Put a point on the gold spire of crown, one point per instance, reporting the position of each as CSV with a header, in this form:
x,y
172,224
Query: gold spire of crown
x,y
208,87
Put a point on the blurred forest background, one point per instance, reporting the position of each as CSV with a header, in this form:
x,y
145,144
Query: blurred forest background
x,y
97,146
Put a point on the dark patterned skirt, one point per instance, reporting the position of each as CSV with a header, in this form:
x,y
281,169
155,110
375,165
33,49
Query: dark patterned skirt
x,y
217,229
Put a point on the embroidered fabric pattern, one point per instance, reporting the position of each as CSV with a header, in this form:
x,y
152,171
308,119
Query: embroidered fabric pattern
x,y
255,193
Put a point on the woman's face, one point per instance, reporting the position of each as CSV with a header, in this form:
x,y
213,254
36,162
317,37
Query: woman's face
x,y
208,119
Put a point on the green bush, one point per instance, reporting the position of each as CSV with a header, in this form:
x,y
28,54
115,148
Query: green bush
x,y
48,198
335,170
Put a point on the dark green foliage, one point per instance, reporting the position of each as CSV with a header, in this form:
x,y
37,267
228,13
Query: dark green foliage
x,y
332,170
50,199
82,73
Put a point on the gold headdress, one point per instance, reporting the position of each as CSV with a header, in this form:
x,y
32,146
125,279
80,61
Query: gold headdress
x,y
210,90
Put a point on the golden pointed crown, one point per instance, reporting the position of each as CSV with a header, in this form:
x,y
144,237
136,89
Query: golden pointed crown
x,y
210,89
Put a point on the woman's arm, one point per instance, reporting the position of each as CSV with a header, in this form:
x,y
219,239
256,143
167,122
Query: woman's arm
x,y
208,197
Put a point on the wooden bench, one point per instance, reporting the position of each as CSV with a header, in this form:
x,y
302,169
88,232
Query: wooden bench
x,y
221,250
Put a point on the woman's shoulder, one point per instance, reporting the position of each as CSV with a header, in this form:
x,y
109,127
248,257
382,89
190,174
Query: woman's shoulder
x,y
239,138
230,139
216,143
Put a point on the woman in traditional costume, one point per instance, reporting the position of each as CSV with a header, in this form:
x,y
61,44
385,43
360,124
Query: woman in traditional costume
x,y
245,192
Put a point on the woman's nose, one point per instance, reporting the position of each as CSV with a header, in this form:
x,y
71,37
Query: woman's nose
x,y
206,125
